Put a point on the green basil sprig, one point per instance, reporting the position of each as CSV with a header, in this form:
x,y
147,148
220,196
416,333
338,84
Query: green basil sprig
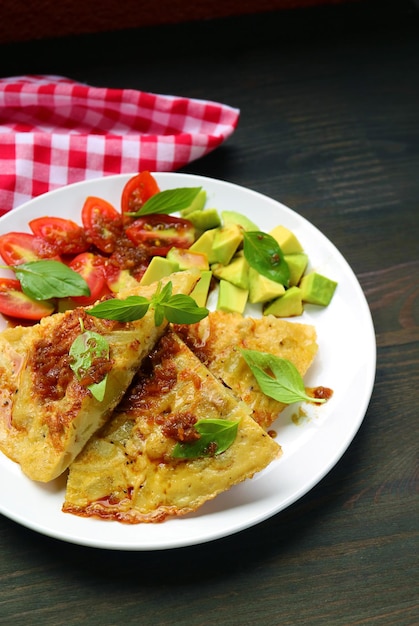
x,y
264,254
45,279
278,378
84,350
216,436
177,309
168,201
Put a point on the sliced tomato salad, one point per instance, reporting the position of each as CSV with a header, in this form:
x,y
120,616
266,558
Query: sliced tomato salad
x,y
159,233
107,250
137,191
63,235
17,248
92,267
15,303
102,223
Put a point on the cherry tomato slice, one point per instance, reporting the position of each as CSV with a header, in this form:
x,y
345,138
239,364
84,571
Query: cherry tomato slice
x,y
159,233
15,303
102,223
17,248
137,191
91,267
64,235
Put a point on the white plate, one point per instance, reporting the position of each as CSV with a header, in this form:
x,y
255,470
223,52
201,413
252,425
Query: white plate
x,y
345,363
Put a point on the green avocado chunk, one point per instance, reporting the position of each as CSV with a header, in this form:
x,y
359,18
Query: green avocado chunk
x,y
204,220
158,268
317,289
232,217
231,298
288,305
263,289
200,292
227,239
286,239
236,272
197,204
297,263
204,244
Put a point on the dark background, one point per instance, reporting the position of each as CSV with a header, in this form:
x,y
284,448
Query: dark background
x,y
329,126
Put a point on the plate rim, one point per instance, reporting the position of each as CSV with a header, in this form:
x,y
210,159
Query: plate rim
x,y
309,485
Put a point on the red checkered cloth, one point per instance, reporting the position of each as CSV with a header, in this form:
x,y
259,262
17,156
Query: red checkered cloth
x,y
55,131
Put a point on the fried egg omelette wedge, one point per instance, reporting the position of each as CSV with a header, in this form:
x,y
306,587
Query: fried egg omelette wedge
x,y
47,415
127,471
217,340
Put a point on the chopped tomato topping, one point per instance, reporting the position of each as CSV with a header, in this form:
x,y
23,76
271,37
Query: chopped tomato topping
x,y
63,235
102,223
159,233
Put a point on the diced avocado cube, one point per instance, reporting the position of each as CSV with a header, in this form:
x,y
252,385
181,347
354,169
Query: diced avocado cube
x,y
232,217
204,220
226,241
204,244
197,204
231,298
236,272
288,305
186,258
297,263
158,268
262,289
288,242
200,292
317,289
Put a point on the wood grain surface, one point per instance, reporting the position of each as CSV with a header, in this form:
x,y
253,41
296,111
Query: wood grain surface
x,y
330,127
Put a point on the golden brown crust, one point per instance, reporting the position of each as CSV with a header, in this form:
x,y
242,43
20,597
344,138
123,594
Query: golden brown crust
x,y
48,415
217,340
127,472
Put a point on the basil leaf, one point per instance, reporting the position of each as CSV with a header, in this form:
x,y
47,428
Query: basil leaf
x,y
128,310
277,378
47,279
216,437
182,309
84,350
98,389
178,309
158,315
162,294
168,201
264,254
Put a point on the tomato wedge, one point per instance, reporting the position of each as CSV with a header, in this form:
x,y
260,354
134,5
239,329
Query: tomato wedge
x,y
91,267
137,191
64,235
102,223
158,233
16,248
15,303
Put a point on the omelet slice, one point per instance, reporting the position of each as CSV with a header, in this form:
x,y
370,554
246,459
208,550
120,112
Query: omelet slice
x,y
217,340
47,414
127,471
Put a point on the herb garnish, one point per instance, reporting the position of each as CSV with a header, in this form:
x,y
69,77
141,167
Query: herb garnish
x,y
45,279
84,350
264,254
177,309
216,436
168,201
278,378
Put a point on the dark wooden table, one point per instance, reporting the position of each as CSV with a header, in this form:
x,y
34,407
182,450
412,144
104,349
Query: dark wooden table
x,y
329,101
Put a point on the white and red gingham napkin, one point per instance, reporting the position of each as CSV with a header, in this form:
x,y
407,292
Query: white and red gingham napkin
x,y
55,131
